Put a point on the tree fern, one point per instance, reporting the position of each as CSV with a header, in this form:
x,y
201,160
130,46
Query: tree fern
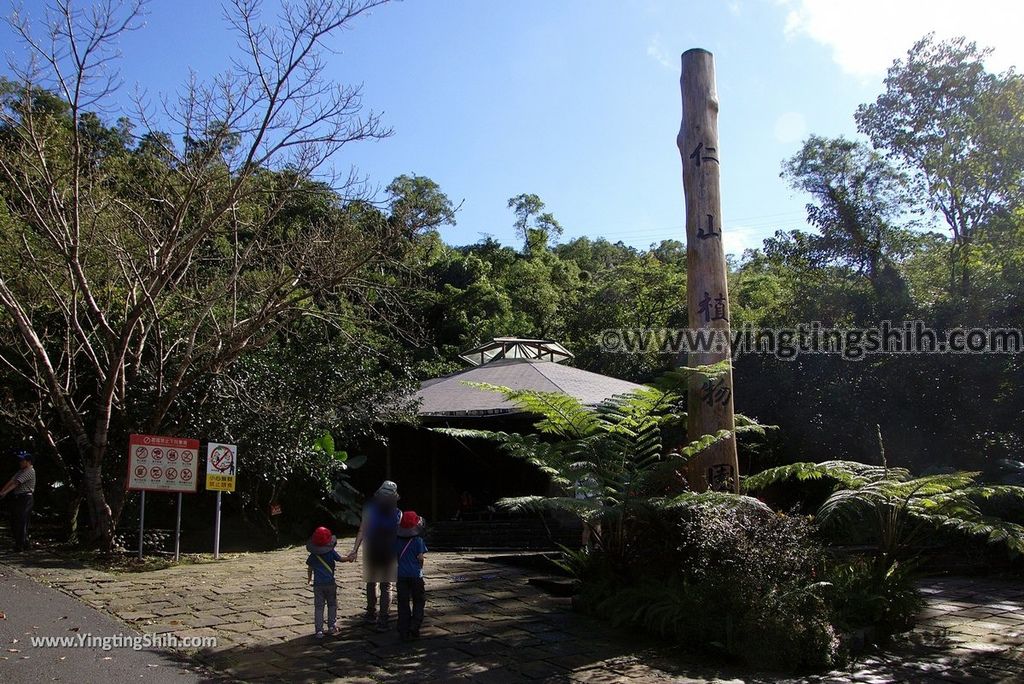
x,y
843,473
562,415
899,510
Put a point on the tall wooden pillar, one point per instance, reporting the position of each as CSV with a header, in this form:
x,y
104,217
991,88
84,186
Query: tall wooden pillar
x,y
710,400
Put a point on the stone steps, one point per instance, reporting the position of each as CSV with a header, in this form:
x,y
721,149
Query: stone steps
x,y
522,534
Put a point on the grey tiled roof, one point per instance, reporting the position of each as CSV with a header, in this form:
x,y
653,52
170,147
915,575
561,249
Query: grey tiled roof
x,y
450,396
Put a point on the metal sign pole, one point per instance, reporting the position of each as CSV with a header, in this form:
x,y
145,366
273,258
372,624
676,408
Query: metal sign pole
x,y
142,519
177,533
216,531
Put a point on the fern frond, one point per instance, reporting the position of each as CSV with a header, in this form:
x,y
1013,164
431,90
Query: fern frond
x,y
466,433
562,415
703,442
713,499
586,509
747,425
843,473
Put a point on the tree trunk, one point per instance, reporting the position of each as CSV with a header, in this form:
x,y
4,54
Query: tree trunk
x,y
116,499
965,275
71,509
96,503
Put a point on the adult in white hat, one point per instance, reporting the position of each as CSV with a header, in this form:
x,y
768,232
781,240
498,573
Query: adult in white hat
x,y
379,529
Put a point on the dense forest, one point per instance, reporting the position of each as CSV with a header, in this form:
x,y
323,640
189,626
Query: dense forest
x,y
920,221
203,277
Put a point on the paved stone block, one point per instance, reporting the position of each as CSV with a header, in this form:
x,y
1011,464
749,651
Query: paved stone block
x,y
491,626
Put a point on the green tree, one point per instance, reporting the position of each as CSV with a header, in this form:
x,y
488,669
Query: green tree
x,y
961,129
152,269
858,199
533,225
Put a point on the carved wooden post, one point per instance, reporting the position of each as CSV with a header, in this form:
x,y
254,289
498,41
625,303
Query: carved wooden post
x,y
709,403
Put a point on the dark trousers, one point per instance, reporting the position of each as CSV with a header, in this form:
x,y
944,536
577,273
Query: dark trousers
x,y
21,510
411,590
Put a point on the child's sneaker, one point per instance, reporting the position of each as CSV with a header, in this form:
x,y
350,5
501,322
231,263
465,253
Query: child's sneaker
x,y
319,635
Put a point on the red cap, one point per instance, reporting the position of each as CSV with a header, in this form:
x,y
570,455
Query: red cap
x,y
409,520
322,536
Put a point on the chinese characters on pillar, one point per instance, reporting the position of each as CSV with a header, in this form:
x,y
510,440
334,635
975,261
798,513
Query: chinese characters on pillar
x,y
713,313
702,153
702,235
715,391
720,476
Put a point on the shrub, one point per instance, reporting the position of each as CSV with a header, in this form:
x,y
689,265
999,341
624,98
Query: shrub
x,y
884,602
733,580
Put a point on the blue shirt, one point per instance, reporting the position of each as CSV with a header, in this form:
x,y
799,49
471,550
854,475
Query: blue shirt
x,y
408,563
322,575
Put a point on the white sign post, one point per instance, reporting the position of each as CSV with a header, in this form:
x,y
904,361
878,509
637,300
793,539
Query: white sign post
x,y
221,471
162,464
142,519
216,530
177,533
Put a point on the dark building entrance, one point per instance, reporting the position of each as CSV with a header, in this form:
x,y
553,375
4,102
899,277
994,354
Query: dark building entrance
x,y
453,481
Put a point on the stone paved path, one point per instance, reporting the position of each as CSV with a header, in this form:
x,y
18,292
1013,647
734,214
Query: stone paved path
x,y
485,623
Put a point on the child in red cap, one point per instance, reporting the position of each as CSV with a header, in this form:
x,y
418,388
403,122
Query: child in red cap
x,y
320,575
410,549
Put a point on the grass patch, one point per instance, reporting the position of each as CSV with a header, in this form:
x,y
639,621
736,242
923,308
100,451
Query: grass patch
x,y
128,562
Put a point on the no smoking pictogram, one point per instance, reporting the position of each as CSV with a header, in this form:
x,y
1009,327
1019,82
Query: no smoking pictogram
x,y
141,453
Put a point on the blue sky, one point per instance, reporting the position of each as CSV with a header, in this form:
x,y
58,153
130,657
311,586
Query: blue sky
x,y
578,100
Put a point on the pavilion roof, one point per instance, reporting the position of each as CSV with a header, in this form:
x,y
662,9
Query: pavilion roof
x,y
451,396
516,348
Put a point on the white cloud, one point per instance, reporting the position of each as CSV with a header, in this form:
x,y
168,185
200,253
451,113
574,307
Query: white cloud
x,y
735,239
867,35
790,127
656,52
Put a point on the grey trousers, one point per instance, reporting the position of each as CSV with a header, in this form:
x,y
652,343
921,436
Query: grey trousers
x,y
325,594
372,609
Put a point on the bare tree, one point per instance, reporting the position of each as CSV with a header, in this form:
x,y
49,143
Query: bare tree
x,y
162,266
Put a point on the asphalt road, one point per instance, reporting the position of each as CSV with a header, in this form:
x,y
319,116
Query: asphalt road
x,y
29,609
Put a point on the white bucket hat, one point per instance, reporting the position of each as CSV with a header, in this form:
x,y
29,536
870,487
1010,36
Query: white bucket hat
x,y
387,490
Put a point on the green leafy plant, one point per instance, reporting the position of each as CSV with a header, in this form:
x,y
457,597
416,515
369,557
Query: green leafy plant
x,y
734,580
614,455
861,598
707,570
344,498
900,512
